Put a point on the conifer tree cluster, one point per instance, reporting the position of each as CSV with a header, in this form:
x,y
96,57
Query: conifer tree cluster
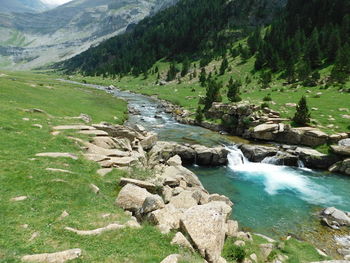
x,y
311,34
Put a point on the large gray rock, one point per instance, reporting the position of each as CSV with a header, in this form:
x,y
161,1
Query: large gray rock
x,y
182,241
132,197
169,216
344,142
143,184
174,175
341,167
336,215
217,197
206,227
152,203
341,150
265,131
186,199
173,258
314,159
313,137
257,153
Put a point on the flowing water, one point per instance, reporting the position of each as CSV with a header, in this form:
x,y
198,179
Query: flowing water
x,y
269,199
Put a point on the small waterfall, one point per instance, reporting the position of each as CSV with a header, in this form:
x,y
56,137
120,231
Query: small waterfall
x,y
235,157
301,164
271,160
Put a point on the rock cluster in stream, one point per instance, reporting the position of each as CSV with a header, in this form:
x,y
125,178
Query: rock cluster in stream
x,y
263,124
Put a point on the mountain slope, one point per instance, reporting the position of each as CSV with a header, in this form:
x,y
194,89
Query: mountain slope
x,y
33,40
191,27
20,6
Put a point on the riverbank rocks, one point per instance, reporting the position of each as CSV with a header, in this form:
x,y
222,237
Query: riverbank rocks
x,y
206,227
143,184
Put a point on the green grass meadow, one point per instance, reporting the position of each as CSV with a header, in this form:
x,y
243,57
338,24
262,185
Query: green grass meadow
x,y
51,193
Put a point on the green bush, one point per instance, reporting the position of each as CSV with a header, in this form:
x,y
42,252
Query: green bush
x,y
234,252
267,98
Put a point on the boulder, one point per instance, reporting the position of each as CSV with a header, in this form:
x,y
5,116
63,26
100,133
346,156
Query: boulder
x,y
341,150
344,142
174,175
104,142
313,137
314,159
167,193
257,153
174,161
341,167
168,216
337,215
174,258
205,225
182,241
185,199
149,140
143,184
265,131
132,197
232,228
152,203
217,197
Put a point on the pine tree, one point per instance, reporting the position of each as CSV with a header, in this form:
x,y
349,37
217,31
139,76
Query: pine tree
x,y
172,72
203,77
212,94
302,115
313,51
185,67
224,65
341,70
233,90
199,115
333,46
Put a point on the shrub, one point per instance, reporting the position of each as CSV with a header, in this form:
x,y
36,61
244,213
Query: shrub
x,y
267,98
264,105
234,252
302,115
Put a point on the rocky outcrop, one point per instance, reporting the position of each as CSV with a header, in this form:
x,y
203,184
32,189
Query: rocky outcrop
x,y
341,150
189,154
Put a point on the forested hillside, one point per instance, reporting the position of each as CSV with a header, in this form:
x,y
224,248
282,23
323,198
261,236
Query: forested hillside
x,y
191,29
302,39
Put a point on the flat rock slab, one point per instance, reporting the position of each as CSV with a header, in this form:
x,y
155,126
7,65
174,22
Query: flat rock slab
x,y
58,257
96,157
104,171
174,258
58,170
148,186
19,198
74,127
57,155
94,132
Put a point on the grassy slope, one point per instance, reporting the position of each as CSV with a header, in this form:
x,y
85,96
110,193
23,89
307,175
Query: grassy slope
x,y
19,175
327,105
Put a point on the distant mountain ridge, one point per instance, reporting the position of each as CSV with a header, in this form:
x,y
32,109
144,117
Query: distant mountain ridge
x,y
21,6
30,40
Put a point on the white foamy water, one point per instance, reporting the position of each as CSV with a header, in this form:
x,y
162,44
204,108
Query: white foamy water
x,y
276,179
